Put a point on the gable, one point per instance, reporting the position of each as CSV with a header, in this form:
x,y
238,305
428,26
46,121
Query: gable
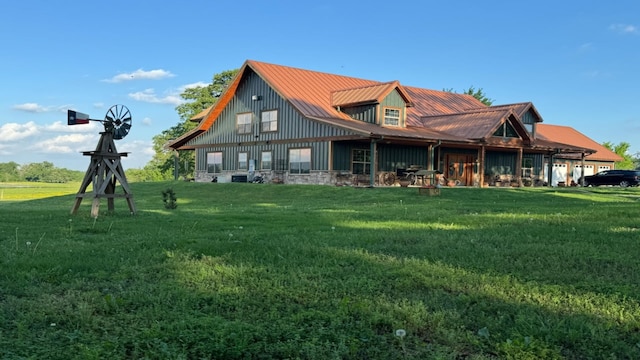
x,y
252,97
478,124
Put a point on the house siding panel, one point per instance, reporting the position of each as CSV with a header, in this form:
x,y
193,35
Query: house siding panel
x,y
389,157
393,100
500,163
366,113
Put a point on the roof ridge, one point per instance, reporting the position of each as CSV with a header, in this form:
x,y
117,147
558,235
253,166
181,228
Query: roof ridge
x,y
470,111
307,70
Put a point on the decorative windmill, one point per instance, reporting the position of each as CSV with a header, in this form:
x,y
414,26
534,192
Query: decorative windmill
x,y
105,169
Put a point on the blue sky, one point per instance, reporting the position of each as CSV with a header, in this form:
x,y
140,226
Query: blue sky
x,y
579,63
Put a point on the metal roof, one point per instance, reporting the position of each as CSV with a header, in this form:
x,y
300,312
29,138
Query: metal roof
x,y
569,135
431,115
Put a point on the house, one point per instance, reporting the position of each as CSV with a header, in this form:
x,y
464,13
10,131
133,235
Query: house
x,y
292,125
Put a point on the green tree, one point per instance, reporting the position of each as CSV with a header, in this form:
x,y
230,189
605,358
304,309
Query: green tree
x,y
198,99
622,149
201,97
9,172
476,93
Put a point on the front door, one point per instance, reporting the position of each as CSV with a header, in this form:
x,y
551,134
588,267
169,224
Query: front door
x,y
460,169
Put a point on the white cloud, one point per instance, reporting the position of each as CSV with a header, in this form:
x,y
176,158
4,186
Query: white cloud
x,y
150,96
37,108
146,121
14,131
59,126
64,144
31,107
624,28
141,75
194,85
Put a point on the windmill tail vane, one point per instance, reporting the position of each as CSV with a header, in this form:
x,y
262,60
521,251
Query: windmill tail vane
x,y
117,120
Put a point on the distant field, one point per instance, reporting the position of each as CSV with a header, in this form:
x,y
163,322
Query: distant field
x,y
34,190
265,271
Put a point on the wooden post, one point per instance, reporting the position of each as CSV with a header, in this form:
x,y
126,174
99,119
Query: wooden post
x,y
105,170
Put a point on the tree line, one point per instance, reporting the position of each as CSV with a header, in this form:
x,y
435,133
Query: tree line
x,y
37,172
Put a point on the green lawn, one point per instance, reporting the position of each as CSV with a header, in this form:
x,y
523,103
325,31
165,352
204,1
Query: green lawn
x,y
264,271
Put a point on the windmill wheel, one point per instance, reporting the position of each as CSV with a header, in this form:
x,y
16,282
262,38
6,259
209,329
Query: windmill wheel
x,y
119,119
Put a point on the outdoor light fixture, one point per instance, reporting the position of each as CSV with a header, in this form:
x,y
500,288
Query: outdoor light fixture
x,y
256,97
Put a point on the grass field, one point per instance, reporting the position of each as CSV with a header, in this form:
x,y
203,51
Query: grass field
x,y
263,271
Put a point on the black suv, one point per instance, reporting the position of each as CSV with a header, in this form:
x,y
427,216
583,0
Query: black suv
x,y
623,178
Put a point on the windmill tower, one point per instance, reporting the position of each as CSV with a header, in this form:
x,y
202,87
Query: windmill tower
x,y
105,169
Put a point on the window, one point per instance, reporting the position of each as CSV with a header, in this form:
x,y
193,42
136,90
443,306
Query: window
x,y
242,161
214,162
361,161
269,120
244,123
265,160
299,161
506,130
527,167
391,117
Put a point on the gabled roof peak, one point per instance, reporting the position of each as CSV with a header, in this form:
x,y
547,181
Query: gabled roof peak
x,y
367,94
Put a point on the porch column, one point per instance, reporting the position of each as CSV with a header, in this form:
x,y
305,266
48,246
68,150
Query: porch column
x,y
582,170
373,165
550,168
519,167
176,165
481,158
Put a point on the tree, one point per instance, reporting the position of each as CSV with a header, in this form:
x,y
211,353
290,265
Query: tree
x,y
476,93
622,149
9,172
204,96
198,99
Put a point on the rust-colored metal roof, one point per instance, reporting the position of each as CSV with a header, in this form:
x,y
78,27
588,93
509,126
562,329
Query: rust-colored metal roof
x,y
520,109
199,116
476,124
372,94
435,115
308,91
432,102
571,136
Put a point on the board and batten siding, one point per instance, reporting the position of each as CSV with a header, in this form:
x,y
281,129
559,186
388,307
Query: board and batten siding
x,y
292,126
390,157
393,100
279,155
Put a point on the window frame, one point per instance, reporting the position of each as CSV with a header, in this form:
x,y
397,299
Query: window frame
x,y
262,161
385,116
246,161
214,155
272,123
300,170
365,163
244,128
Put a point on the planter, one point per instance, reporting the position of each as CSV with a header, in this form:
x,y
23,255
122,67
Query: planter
x,y
404,183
